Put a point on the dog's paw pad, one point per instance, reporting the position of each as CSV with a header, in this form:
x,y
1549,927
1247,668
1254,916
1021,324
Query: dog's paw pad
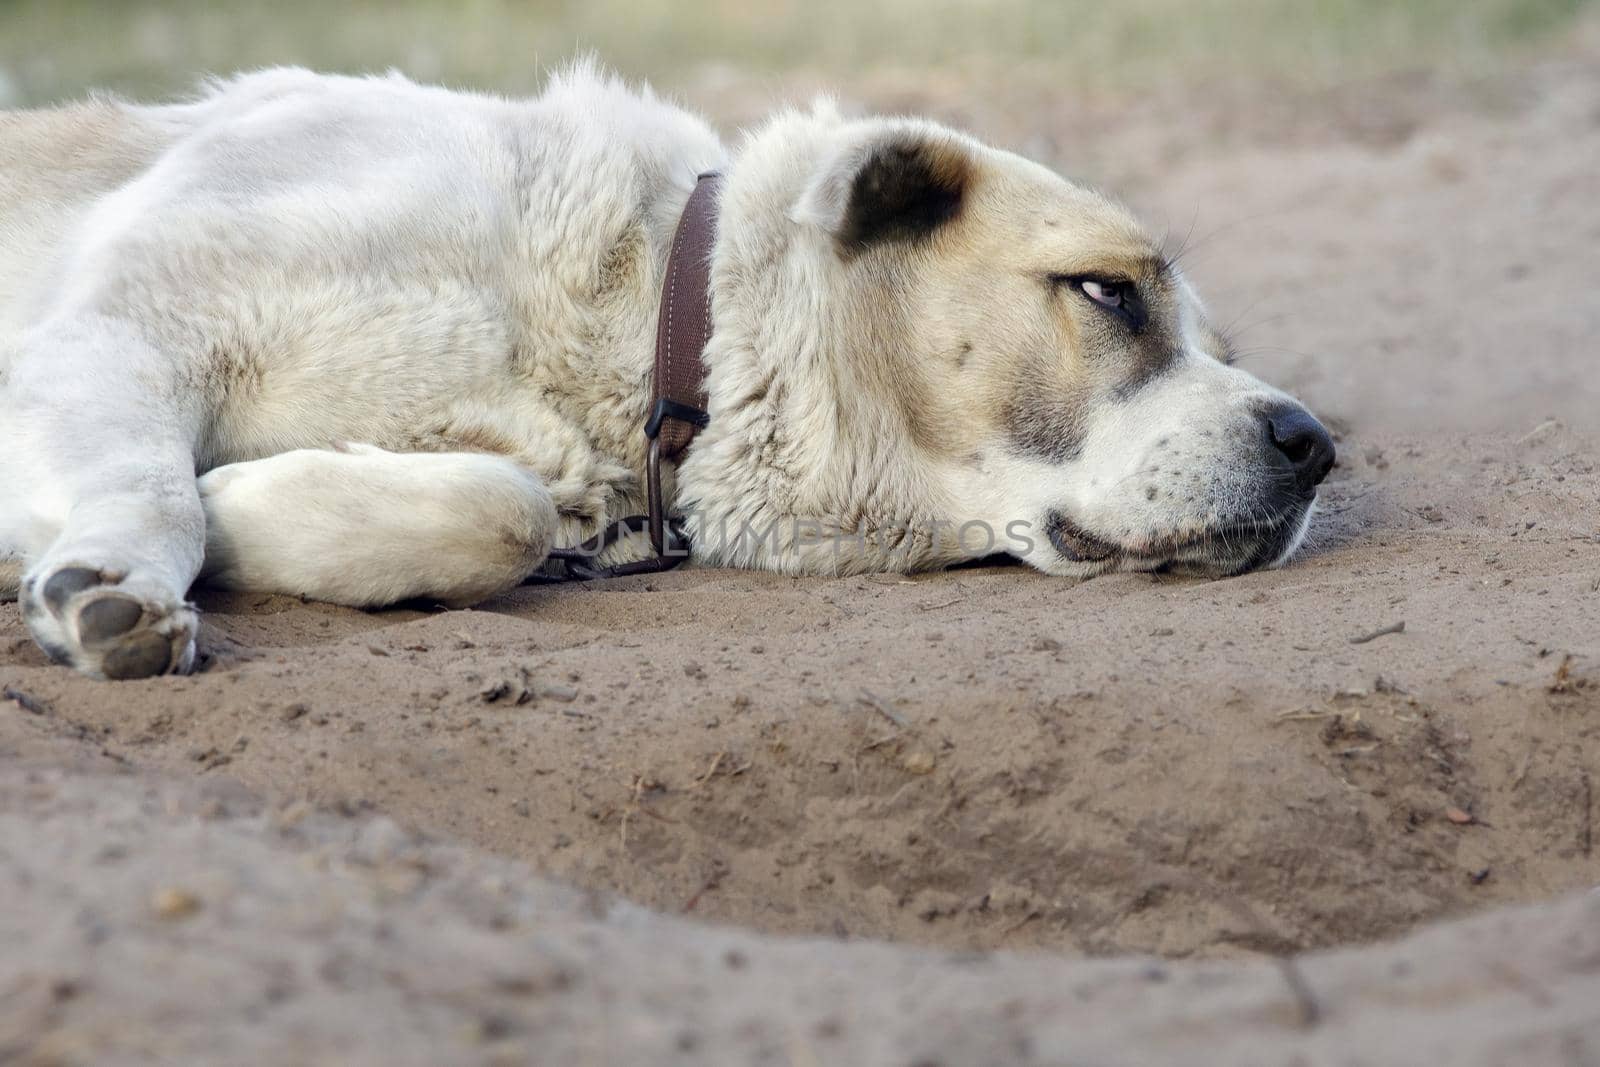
x,y
141,655
108,617
67,583
109,625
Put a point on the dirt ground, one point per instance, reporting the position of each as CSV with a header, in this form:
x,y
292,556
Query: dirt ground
x,y
1220,772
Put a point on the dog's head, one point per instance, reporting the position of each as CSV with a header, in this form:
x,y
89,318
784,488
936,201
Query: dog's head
x,y
931,334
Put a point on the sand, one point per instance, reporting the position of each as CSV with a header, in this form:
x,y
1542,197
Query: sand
x,y
569,824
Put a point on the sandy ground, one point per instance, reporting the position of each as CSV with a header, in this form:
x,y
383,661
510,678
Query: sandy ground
x,y
979,760
164,922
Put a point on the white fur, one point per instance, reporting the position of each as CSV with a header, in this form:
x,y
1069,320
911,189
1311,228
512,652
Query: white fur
x,y
370,528
196,299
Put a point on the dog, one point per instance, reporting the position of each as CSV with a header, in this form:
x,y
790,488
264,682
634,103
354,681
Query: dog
x,y
366,341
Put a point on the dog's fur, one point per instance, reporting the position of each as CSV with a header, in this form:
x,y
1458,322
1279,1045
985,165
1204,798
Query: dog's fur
x,y
201,303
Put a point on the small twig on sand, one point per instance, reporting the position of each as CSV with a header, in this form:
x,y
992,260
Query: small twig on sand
x,y
1392,628
1310,1011
709,884
1527,762
884,708
1562,683
1288,965
941,604
630,807
706,777
1302,715
1539,431
1020,923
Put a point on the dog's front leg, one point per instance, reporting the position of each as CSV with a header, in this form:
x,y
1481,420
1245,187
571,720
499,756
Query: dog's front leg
x,y
97,464
367,528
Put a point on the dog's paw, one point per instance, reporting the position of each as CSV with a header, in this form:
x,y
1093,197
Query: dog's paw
x,y
107,625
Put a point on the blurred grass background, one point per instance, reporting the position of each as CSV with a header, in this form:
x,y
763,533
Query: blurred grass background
x,y
52,50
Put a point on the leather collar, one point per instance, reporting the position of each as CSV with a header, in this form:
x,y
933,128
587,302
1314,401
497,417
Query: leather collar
x,y
677,395
683,326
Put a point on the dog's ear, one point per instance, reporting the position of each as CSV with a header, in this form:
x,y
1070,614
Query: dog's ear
x,y
900,183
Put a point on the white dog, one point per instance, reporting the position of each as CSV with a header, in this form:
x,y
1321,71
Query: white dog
x,y
922,348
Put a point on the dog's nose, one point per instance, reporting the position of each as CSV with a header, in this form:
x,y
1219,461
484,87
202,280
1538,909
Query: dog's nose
x,y
1303,441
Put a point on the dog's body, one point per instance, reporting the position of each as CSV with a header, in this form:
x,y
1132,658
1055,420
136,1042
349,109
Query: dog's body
x,y
913,333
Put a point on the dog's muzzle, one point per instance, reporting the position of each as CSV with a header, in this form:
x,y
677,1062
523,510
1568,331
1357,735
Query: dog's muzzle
x,y
1296,452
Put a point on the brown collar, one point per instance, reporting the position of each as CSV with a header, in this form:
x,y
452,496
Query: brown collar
x,y
683,327
678,392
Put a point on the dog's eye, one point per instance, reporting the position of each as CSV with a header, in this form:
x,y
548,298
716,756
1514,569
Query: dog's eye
x,y
1113,295
1120,298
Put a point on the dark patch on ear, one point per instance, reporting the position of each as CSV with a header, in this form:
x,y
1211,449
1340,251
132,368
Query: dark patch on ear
x,y
904,191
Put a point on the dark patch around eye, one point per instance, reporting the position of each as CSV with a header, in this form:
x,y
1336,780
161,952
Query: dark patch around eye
x,y
1132,310
1150,362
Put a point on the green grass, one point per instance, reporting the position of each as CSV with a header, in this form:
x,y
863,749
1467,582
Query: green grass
x,y
54,49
